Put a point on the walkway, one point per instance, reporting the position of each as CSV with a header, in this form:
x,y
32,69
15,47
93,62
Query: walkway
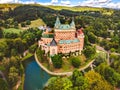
x,y
60,74
1,73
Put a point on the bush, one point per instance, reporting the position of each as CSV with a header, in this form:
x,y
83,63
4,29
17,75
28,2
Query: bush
x,y
57,61
23,24
75,61
33,48
28,22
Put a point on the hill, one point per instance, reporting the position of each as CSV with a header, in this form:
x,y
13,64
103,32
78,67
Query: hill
x,y
76,8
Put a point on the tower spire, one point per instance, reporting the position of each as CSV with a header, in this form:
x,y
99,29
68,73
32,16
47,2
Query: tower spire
x,y
57,23
72,23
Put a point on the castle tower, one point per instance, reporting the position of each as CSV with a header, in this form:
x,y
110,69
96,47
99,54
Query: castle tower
x,y
57,23
53,48
72,24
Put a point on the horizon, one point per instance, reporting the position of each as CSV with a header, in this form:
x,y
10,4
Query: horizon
x,y
115,4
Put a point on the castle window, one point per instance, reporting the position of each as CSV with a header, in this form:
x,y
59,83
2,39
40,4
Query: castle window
x,y
53,51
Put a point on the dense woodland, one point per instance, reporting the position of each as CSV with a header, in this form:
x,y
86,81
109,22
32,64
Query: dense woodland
x,y
99,28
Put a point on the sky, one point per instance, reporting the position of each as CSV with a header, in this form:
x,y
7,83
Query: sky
x,y
92,3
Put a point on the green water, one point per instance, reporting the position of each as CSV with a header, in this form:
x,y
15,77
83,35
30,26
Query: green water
x,y
35,77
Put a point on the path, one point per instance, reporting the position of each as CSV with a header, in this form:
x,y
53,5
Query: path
x,y
60,74
102,49
1,73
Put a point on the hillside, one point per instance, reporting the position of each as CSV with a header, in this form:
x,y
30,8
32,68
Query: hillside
x,y
76,8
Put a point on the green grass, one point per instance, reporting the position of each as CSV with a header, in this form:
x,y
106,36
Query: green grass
x,y
81,9
37,23
12,30
29,55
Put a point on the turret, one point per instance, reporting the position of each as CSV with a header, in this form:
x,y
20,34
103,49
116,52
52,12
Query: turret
x,y
53,47
72,23
57,23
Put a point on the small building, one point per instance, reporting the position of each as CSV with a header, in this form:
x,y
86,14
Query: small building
x,y
65,39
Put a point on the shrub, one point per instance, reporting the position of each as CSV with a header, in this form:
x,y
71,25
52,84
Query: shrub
x,y
28,22
75,61
57,61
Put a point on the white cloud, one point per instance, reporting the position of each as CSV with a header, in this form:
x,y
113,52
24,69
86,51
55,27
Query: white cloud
x,y
98,3
54,1
6,1
65,2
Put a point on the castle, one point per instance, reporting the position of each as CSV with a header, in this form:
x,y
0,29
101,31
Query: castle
x,y
65,39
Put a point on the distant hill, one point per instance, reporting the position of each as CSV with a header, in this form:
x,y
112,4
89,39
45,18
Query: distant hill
x,y
76,8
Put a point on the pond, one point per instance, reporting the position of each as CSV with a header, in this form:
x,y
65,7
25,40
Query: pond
x,y
35,77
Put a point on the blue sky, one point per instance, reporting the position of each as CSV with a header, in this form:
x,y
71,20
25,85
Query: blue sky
x,y
93,3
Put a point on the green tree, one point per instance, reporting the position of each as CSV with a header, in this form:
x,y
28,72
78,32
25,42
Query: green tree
x,y
97,82
89,51
3,85
1,33
75,61
109,74
28,22
57,83
57,61
79,81
23,24
13,76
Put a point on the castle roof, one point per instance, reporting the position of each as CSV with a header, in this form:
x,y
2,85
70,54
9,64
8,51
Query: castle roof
x,y
69,41
64,26
53,43
60,26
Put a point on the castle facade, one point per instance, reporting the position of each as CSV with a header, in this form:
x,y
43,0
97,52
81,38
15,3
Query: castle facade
x,y
65,39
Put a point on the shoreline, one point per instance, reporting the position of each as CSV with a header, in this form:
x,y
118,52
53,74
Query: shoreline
x,y
60,74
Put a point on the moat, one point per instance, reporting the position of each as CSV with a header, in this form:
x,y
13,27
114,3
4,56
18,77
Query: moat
x,y
35,77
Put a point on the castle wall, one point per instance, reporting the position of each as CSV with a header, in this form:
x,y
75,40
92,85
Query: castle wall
x,y
67,48
46,40
63,35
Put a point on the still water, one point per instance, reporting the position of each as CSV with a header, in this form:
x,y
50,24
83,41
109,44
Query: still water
x,y
35,77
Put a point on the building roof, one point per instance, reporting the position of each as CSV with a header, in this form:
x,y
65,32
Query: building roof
x,y
60,26
69,41
64,26
72,23
57,23
53,43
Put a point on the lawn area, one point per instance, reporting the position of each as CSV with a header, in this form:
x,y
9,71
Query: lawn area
x,y
102,53
37,23
12,30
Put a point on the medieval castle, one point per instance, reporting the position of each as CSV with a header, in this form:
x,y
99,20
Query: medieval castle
x,y
65,39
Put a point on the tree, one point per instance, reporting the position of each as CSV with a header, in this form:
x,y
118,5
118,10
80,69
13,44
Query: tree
x,y
75,61
15,24
92,38
89,51
97,82
57,61
57,83
28,22
18,44
33,48
99,60
23,24
109,74
3,85
79,81
1,33
13,76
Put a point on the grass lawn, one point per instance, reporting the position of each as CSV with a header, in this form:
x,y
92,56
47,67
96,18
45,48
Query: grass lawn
x,y
12,30
34,23
102,53
37,23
